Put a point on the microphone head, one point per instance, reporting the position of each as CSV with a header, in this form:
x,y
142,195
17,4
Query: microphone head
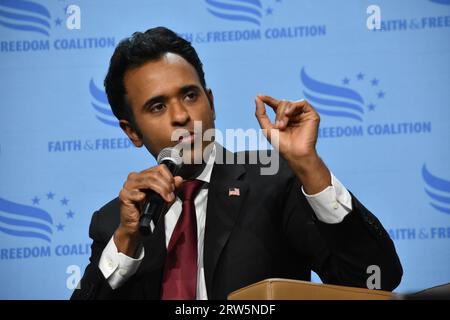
x,y
171,154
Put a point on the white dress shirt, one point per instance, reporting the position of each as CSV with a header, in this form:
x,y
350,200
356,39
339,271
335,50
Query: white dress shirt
x,y
330,205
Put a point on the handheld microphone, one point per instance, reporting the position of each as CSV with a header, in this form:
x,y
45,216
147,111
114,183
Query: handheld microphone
x,y
154,203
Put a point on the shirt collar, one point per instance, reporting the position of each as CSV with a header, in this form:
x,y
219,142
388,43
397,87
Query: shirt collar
x,y
205,175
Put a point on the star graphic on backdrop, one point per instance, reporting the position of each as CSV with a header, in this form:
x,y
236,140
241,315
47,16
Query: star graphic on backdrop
x,y
35,200
360,76
50,195
374,82
269,11
371,107
278,1
70,214
58,22
60,227
380,94
345,80
64,201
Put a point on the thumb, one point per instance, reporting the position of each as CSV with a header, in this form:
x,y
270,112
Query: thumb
x,y
178,181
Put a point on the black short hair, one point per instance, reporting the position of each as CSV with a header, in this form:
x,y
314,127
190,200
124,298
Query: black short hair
x,y
138,49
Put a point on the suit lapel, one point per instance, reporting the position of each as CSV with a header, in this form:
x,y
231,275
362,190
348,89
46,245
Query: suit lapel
x,y
222,213
155,249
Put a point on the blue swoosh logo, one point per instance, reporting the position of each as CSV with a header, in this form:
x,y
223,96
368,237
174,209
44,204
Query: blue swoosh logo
x,y
25,221
447,2
101,106
438,190
236,10
332,100
25,16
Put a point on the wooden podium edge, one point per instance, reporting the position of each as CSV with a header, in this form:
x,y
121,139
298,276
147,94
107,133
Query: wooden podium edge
x,y
268,285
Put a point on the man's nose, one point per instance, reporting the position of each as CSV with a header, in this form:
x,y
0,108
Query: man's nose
x,y
179,114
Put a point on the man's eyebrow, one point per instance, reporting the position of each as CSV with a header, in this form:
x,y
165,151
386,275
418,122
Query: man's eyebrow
x,y
162,98
189,87
152,100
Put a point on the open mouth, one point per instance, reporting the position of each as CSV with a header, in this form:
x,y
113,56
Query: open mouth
x,y
187,139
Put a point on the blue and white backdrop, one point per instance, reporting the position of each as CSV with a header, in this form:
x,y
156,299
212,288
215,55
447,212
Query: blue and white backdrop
x,y
382,91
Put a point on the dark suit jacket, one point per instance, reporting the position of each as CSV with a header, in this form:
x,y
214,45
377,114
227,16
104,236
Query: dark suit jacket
x,y
268,231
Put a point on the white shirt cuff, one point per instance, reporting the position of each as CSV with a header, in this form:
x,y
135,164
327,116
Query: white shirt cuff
x,y
116,266
332,204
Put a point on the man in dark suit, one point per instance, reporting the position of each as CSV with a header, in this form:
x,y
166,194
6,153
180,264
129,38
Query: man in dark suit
x,y
246,226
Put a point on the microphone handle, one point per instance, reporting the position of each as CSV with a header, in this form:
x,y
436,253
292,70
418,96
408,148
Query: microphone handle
x,y
154,204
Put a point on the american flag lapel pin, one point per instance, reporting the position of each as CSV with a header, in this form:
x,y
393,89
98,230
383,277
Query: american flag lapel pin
x,y
233,192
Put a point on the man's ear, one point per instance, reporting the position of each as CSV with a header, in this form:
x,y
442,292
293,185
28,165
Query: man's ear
x,y
131,132
211,102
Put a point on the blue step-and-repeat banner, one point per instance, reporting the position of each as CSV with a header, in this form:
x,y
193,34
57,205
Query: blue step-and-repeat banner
x,y
379,76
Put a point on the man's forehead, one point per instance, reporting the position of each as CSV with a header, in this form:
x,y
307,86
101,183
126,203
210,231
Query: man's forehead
x,y
171,70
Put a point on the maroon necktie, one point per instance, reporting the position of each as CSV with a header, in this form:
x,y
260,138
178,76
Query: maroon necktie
x,y
180,270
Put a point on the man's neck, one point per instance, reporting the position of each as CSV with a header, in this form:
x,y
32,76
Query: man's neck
x,y
200,171
191,171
